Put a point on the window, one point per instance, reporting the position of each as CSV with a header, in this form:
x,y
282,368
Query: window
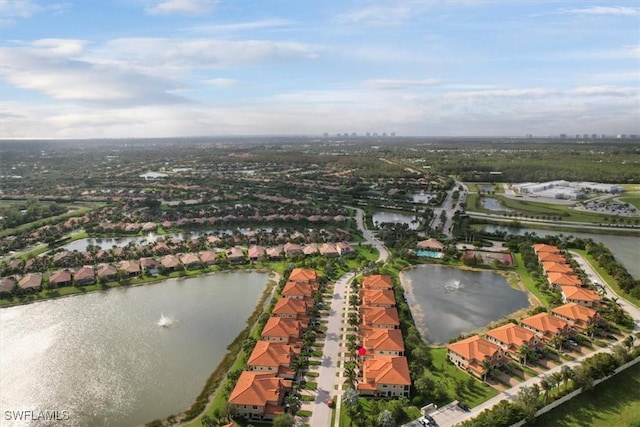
x,y
255,407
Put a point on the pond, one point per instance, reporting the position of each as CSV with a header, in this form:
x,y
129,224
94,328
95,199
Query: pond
x,y
380,217
105,358
493,205
624,248
447,301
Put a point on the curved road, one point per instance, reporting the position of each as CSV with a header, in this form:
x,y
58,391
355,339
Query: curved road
x,y
369,237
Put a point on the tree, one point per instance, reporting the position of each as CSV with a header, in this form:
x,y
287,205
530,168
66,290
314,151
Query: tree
x,y
557,379
486,366
386,419
293,402
567,374
351,402
528,400
284,420
525,353
547,386
351,375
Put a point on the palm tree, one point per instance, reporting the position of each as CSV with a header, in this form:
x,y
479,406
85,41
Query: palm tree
x,y
299,364
351,375
567,374
557,379
486,365
547,386
293,402
525,352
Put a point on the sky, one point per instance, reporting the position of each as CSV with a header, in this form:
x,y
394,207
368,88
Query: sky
x,y
165,68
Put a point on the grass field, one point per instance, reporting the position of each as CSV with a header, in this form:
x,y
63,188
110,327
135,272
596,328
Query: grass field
x,y
615,402
528,280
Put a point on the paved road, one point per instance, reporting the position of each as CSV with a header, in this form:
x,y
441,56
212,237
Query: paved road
x,y
321,416
633,310
369,237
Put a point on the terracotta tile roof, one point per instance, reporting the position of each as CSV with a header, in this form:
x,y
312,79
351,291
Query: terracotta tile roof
x,y
7,284
84,273
281,327
129,266
189,259
31,280
310,249
292,248
294,289
60,276
543,247
106,270
576,312
386,370
579,294
303,275
430,244
207,257
258,389
564,279
383,340
474,348
377,281
328,249
290,306
169,261
256,251
545,323
556,267
380,316
512,335
378,297
551,256
267,353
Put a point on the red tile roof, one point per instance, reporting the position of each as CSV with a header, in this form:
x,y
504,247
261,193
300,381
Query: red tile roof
x,y
258,389
386,370
303,275
273,354
576,312
576,293
377,281
383,340
512,335
474,348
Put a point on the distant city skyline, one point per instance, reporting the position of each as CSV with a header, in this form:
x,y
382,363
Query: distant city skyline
x,y
173,68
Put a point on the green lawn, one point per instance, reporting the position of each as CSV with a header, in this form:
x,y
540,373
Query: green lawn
x,y
631,199
528,280
616,402
445,370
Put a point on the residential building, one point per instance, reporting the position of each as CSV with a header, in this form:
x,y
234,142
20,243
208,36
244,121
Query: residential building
x,y
235,255
378,298
85,276
207,258
556,280
278,329
380,318
556,267
551,257
297,290
292,249
292,308
385,376
190,261
258,396
431,245
130,268
511,338
256,253
344,249
377,281
547,326
7,284
581,296
383,342
303,275
60,278
169,262
539,248
329,250
578,316
272,357
30,282
106,272
469,354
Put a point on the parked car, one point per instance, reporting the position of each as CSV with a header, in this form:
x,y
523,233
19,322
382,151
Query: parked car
x,y
464,406
572,343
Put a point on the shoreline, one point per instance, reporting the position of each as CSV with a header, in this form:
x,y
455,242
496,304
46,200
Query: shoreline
x,y
417,311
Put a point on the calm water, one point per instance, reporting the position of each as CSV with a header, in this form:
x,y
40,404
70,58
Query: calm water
x,y
493,205
103,357
447,301
626,249
381,217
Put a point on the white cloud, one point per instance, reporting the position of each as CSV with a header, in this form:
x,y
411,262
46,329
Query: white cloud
x,y
205,53
605,91
19,8
503,93
605,10
59,47
391,84
222,82
184,7
77,80
240,26
378,15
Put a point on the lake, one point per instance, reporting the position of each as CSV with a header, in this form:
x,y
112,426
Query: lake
x,y
626,249
104,358
493,205
380,217
447,301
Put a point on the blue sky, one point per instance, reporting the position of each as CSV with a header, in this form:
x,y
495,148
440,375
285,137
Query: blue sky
x,y
154,68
